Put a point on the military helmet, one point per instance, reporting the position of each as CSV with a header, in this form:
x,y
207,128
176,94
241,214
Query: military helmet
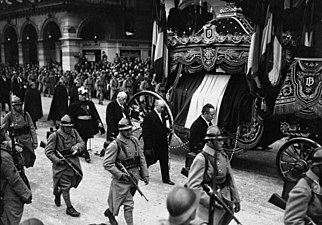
x,y
317,156
182,203
66,121
215,133
125,124
32,221
16,100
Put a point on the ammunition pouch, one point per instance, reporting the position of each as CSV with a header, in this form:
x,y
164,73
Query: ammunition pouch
x,y
131,162
66,153
22,130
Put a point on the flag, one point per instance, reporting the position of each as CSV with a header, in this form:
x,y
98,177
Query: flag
x,y
159,41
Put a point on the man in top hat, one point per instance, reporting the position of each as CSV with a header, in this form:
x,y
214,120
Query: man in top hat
x,y
62,150
304,204
212,167
20,123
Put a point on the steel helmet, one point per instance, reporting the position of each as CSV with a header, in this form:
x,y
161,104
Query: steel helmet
x,y
32,221
317,156
182,203
66,121
125,124
16,100
215,133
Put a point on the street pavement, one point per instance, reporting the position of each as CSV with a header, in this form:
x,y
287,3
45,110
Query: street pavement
x,y
255,175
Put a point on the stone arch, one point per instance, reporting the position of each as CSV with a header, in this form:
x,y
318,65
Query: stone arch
x,y
47,21
29,43
9,26
50,36
91,29
10,42
28,23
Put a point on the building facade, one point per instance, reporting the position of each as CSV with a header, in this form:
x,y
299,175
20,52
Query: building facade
x,y
44,31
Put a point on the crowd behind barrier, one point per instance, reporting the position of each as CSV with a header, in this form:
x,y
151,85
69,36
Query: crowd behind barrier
x,y
102,79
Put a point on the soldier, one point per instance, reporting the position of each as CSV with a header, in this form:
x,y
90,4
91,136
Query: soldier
x,y
304,203
67,171
212,167
126,150
19,122
14,192
182,204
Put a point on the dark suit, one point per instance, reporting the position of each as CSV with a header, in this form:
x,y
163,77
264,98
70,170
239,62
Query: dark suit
x,y
114,113
197,134
155,137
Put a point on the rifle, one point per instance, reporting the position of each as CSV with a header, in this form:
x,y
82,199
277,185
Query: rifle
x,y
211,192
131,178
43,145
280,202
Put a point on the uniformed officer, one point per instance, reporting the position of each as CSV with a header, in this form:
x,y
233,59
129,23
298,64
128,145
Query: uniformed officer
x,y
86,118
126,150
20,123
14,190
212,167
67,171
304,203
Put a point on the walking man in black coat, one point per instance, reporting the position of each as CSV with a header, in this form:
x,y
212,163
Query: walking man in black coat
x,y
5,88
155,138
115,111
199,128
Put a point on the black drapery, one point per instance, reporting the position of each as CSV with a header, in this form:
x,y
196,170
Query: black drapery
x,y
236,105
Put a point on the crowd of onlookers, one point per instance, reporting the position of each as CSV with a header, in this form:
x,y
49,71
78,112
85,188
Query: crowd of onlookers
x,y
102,79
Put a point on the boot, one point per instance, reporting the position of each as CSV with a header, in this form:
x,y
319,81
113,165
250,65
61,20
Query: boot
x,y
57,198
72,212
128,216
110,216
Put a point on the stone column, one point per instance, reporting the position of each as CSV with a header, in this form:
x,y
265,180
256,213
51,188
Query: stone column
x,y
20,53
58,52
70,50
70,43
41,53
3,55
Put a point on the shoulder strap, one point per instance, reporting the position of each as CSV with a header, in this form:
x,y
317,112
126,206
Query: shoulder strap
x,y
207,158
120,147
309,182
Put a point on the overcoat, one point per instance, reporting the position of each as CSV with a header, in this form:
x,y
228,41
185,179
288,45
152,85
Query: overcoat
x,y
86,128
302,202
33,104
197,134
59,141
228,191
16,191
119,190
114,113
59,104
155,133
5,88
28,140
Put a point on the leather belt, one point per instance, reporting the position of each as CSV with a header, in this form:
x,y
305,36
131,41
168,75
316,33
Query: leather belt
x,y
86,117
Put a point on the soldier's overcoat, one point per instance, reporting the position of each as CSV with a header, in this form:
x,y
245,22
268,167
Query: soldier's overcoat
x,y
60,141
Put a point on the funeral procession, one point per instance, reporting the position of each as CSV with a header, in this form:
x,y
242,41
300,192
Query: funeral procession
x,y
160,112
